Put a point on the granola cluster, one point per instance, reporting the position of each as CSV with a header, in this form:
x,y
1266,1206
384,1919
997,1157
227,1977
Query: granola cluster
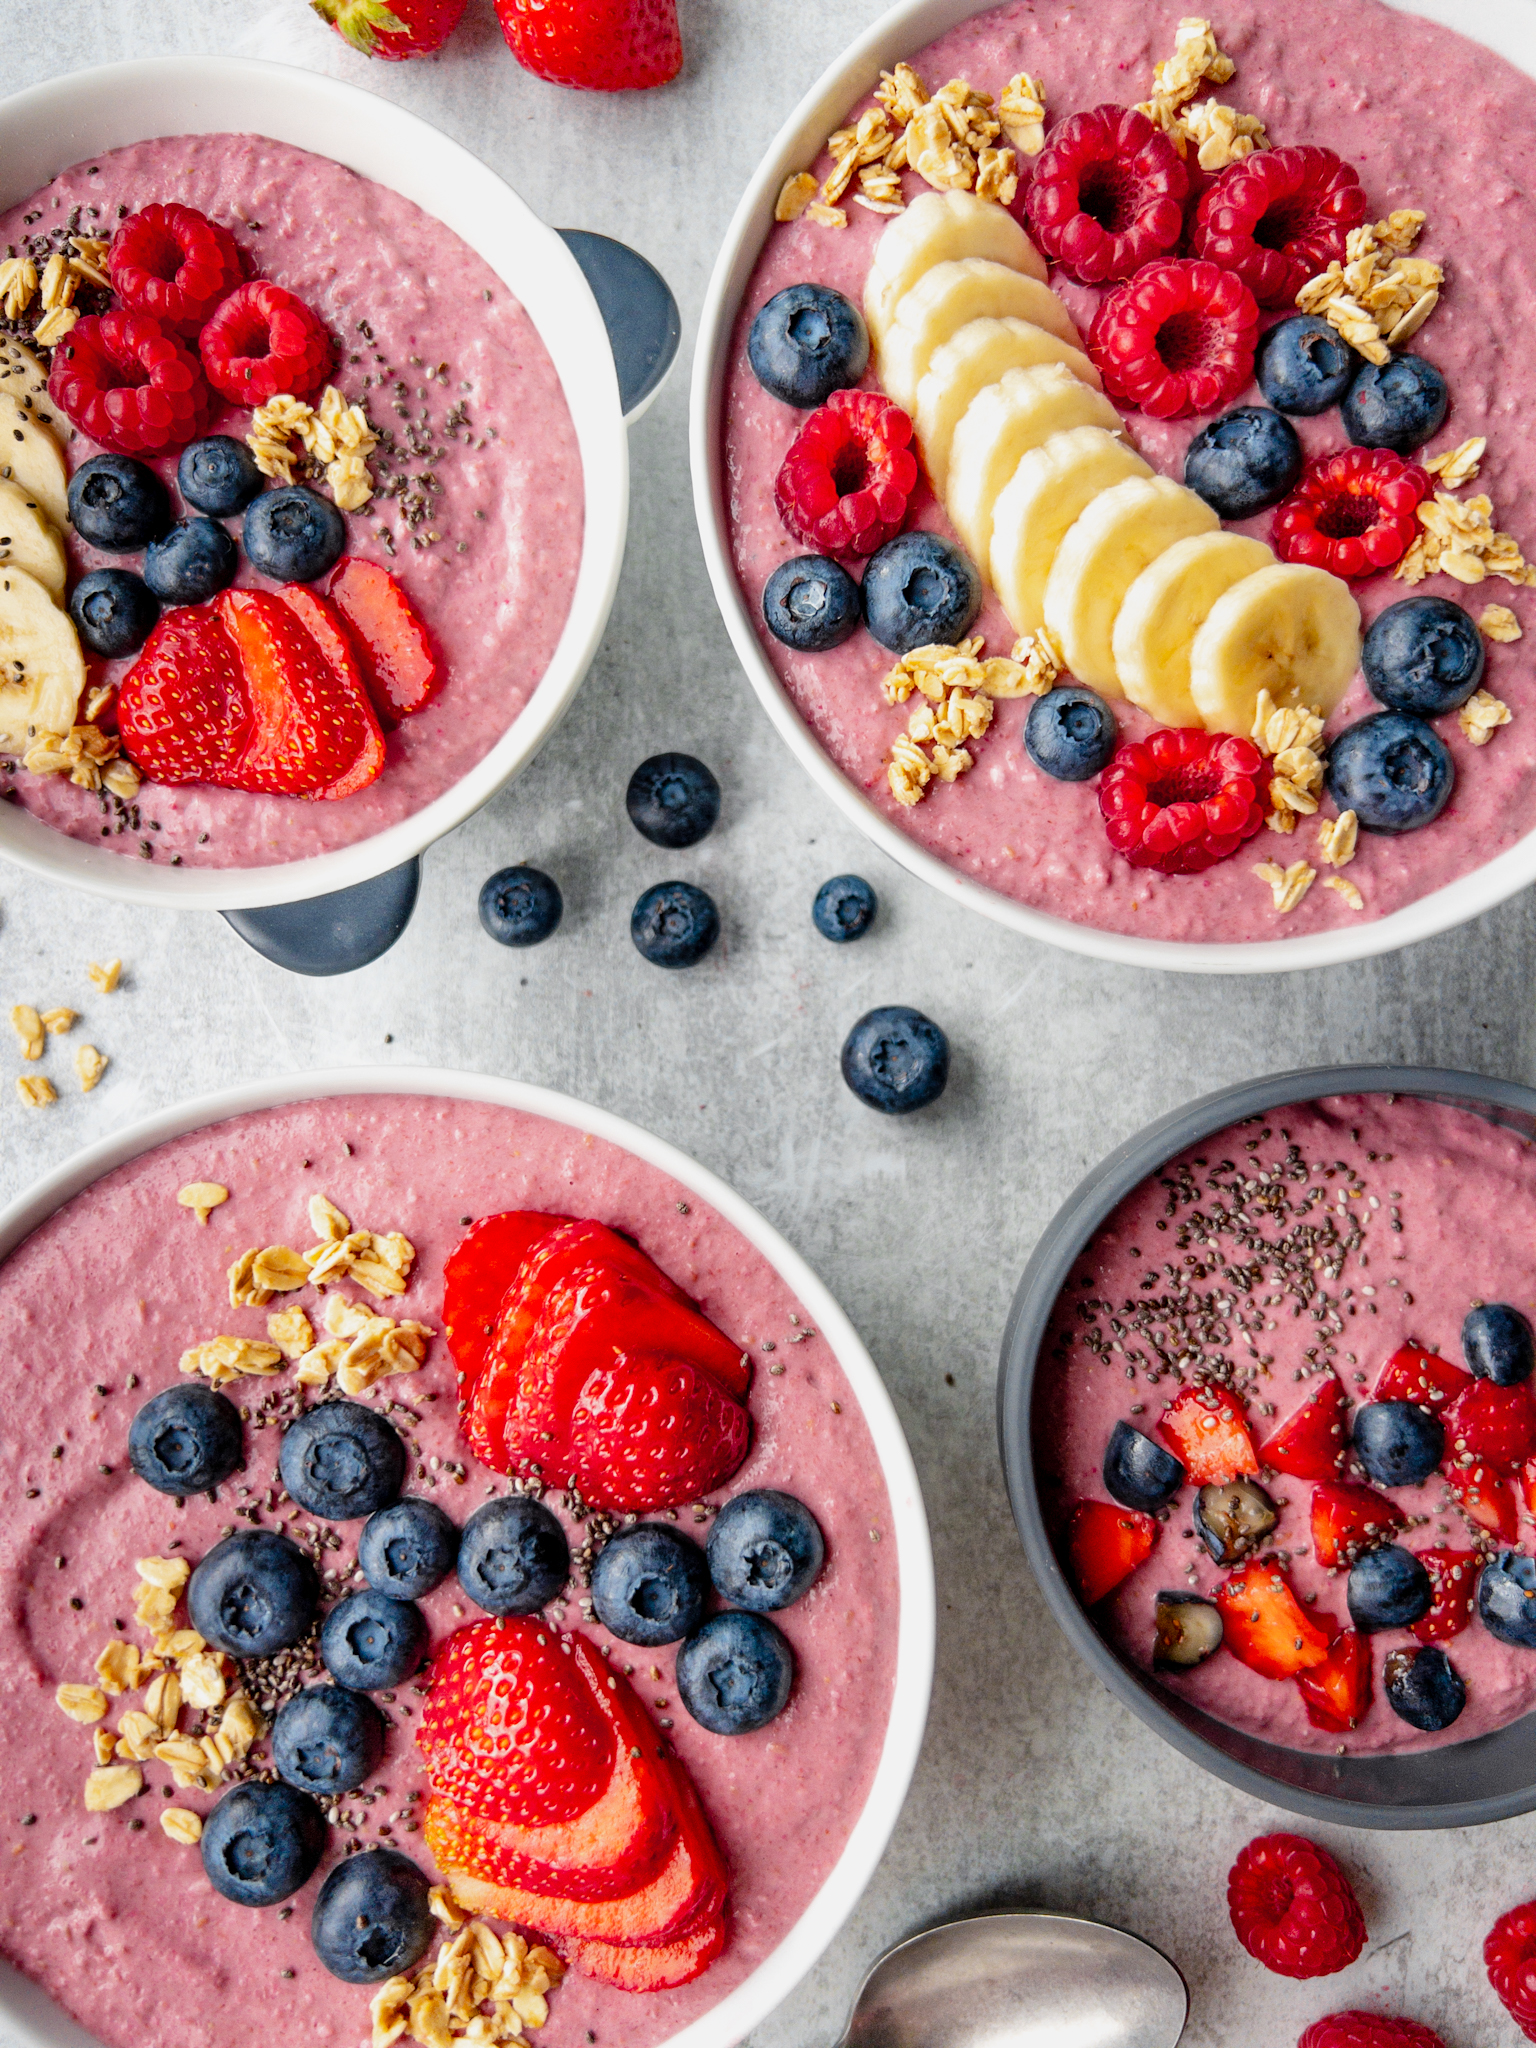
x,y
1286,885
957,685
1379,296
1459,538
336,436
1218,134
480,1987
90,756
85,262
1288,739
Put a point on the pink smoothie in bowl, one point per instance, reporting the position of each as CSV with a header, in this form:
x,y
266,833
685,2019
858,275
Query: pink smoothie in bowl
x,y
145,1282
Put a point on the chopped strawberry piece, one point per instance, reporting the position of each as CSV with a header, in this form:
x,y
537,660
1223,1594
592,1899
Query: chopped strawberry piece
x,y
1107,194
1312,1443
308,725
1453,1574
130,382
478,1276
330,636
1494,1425
687,1956
1105,1544
182,709
595,45
1180,800
1352,514
1414,1374
1485,1497
1279,218
399,666
1177,338
1265,1626
1349,1520
1204,1426
1337,1692
175,264
263,341
1528,1485
653,1431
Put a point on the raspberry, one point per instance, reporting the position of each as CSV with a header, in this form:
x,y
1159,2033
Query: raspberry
x,y
1181,800
1278,217
261,341
1510,1954
848,478
1107,194
1177,338
1367,2030
128,382
174,263
1352,513
1293,1908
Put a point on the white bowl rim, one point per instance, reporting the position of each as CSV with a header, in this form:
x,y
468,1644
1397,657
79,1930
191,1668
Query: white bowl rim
x,y
897,34
204,94
802,1947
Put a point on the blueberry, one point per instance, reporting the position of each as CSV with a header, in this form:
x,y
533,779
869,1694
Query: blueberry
x,y
521,906
1305,366
844,908
1388,1588
341,1461
327,1739
1244,462
261,1842
811,604
1395,405
672,800
294,535
1139,1473
370,1642
218,475
806,343
373,1918
735,1673
674,924
1392,771
1397,1442
918,590
765,1550
896,1059
1069,733
114,611
513,1555
1423,1687
649,1585
1423,655
187,1440
253,1593
1188,1630
407,1549
1233,1520
117,504
190,561
1506,1598
1496,1343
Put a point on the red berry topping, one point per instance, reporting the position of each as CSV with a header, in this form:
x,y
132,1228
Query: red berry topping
x,y
127,381
1178,338
1351,513
1492,1423
1311,1444
1266,1627
1414,1374
1206,1429
848,478
1485,1497
1367,2030
1293,1908
655,1431
1347,1521
1337,1692
1510,1954
1278,217
1181,800
1107,194
393,29
263,340
399,664
600,45
174,263
1453,1574
1105,1544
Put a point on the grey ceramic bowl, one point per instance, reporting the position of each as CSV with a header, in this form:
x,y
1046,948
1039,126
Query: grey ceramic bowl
x,y
1486,1779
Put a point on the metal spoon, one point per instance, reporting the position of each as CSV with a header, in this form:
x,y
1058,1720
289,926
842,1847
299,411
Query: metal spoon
x,y
1020,1980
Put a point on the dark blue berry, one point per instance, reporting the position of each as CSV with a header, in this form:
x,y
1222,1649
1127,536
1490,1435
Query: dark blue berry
x,y
513,1555
1070,733
117,504
844,909
672,800
114,611
1398,1442
187,1440
1244,462
373,1918
261,1842
806,343
919,589
521,906
341,1461
896,1059
735,1674
674,924
765,1550
1305,366
294,535
1497,1344
1188,1629
218,475
1423,655
327,1739
1392,770
191,561
371,1643
1234,1519
1388,1588
253,1593
1423,1687
407,1549
1506,1598
811,604
649,1585
1396,405
1139,1473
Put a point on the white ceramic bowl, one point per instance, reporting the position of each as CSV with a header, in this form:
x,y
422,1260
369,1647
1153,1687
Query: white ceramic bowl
x,y
27,2016
1511,31
48,127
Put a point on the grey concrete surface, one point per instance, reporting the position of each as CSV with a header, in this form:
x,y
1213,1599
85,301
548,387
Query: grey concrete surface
x,y
1035,1788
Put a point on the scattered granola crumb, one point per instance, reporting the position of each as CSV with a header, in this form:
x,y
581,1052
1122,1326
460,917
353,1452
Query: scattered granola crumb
x,y
36,1090
292,1332
1336,839
112,1785
182,1825
90,1065
1481,716
1342,886
57,1021
1287,885
1459,465
83,1703
89,756
202,1197
105,978
1496,622
795,195
222,1359
1042,661
28,1027
1021,109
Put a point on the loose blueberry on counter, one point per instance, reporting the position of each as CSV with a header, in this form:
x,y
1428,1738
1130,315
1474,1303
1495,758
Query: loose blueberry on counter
x,y
674,924
765,1550
672,800
294,535
521,906
649,1585
327,1739
1231,1520
896,1059
342,1461
513,1556
1304,366
1423,1687
114,611
373,1918
1388,1588
219,475
254,1593
1070,733
1497,1343
844,908
735,1674
811,604
117,504
261,1842
1396,405
187,1440
1392,770
1397,1442
407,1549
1139,1473
1188,1630
1244,462
918,589
806,343
1424,655
191,561
370,1642
1506,1598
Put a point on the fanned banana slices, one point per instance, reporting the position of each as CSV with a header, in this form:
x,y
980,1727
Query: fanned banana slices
x,y
42,671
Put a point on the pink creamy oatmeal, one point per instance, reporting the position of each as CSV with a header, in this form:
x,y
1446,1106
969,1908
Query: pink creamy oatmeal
x,y
1313,72
1464,1191
490,426
115,1921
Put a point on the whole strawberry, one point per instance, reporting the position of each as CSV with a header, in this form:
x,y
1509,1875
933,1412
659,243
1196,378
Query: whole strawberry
x,y
1510,1954
392,28
598,45
1368,2030
1293,1909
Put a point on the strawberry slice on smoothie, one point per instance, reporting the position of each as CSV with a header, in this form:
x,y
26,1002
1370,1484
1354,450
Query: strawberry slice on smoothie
x,y
1414,1374
1337,1692
1105,1544
399,664
1453,1575
1349,1520
1205,1427
1312,1443
1266,1627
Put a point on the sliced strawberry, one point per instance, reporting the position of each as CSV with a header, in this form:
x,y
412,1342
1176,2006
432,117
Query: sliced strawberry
x,y
398,662
1485,1497
1492,1424
1528,1485
324,627
478,1277
1105,1544
1453,1574
1205,1427
182,709
654,1431
1265,1626
306,731
1349,1520
687,1956
1337,1692
1414,1374
1312,1443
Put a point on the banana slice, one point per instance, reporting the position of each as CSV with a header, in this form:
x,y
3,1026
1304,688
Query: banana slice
x,y
1106,548
23,374
1051,486
942,227
30,540
1001,424
42,671
943,300
1288,629
967,363
1163,611
30,455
